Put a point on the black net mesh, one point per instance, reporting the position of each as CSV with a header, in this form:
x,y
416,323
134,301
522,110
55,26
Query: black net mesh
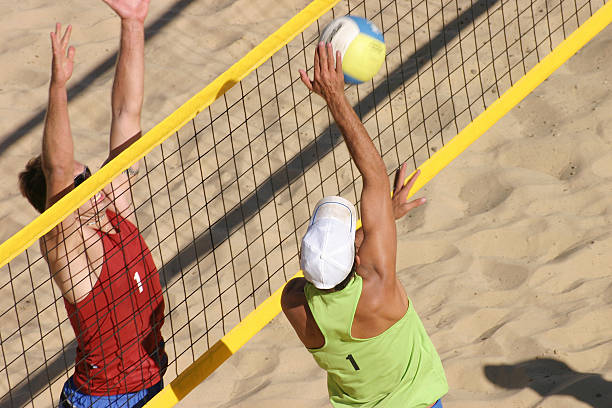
x,y
223,203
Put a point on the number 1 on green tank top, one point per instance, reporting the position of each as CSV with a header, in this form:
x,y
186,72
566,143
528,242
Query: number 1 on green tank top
x,y
353,362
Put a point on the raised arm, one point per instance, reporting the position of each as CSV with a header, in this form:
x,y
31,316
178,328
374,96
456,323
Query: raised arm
x,y
128,85
63,247
57,147
127,95
378,250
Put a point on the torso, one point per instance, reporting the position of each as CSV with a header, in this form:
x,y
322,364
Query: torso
x,y
395,367
378,309
118,321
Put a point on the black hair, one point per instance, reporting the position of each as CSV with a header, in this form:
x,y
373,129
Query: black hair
x,y
346,280
33,185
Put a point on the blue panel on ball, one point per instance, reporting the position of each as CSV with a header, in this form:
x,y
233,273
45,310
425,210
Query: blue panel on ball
x,y
367,27
350,80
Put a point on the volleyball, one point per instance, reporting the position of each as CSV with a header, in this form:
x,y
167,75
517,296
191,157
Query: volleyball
x,y
361,44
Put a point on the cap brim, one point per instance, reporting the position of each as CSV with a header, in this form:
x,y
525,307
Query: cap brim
x,y
338,208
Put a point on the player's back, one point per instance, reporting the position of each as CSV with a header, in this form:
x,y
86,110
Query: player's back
x,y
397,368
118,324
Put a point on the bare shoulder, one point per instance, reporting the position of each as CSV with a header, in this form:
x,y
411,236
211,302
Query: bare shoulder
x,y
295,307
67,250
373,290
293,294
63,238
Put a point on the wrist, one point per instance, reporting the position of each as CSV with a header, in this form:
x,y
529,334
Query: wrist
x,y
132,23
337,101
57,85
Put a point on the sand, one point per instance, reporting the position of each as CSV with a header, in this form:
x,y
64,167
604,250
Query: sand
x,y
508,264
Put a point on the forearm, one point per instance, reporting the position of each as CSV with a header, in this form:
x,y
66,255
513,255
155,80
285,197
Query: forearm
x,y
375,198
128,85
57,147
128,89
360,145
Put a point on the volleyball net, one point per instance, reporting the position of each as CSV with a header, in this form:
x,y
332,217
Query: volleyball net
x,y
228,181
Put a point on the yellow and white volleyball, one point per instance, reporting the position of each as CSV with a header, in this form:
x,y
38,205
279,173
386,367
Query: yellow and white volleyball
x,y
361,44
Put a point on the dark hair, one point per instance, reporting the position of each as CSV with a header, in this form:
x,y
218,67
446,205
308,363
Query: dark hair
x,y
32,184
346,280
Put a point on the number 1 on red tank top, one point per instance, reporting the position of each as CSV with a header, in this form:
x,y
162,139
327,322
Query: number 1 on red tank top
x,y
137,279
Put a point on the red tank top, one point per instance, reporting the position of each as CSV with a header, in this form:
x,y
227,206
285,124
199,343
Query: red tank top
x,y
118,324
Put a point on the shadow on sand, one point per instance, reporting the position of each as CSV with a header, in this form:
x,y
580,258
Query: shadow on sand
x,y
549,377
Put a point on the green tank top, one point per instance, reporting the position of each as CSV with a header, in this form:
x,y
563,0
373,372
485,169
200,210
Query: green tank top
x,y
398,368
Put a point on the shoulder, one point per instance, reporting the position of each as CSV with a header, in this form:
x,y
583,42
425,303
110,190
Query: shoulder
x,y
295,307
293,300
293,293
68,258
66,237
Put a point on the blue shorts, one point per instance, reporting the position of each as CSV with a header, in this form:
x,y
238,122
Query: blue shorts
x,y
438,404
72,398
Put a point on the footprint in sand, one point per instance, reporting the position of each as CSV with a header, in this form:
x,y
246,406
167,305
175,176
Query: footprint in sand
x,y
502,276
569,171
483,194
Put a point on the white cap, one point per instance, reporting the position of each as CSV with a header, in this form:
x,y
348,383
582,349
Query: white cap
x,y
328,247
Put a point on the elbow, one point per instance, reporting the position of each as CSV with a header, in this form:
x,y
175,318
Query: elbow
x,y
127,113
125,107
55,176
127,124
56,168
377,175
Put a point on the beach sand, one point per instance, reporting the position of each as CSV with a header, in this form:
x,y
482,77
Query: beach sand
x,y
508,264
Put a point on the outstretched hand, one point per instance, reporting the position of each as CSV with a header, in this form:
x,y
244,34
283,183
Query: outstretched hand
x,y
130,9
63,56
328,80
400,193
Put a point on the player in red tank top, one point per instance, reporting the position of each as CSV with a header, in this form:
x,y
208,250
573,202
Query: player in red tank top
x,y
97,256
119,321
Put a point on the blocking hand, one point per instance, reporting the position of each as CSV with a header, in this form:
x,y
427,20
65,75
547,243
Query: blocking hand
x,y
130,9
400,193
63,56
328,80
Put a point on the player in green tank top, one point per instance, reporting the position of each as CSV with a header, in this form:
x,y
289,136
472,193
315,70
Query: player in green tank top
x,y
350,310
